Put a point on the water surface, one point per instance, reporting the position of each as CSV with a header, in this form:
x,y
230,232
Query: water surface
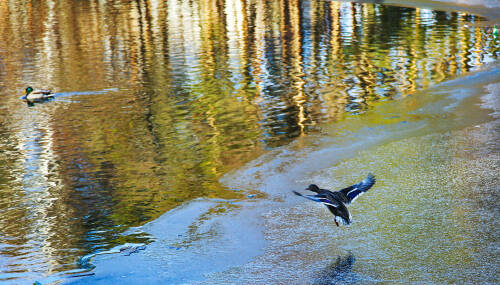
x,y
157,100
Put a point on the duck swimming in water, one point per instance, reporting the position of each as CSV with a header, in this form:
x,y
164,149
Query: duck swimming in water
x,y
37,95
336,201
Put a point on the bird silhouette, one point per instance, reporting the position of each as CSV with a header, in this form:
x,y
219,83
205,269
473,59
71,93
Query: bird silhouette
x,y
336,201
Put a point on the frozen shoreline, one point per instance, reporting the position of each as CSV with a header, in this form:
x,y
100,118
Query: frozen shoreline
x,y
391,240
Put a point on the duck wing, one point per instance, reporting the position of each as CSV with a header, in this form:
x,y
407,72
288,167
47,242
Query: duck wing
x,y
338,209
44,92
354,191
320,198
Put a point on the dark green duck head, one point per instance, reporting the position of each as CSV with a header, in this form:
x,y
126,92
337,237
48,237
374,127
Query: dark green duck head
x,y
28,91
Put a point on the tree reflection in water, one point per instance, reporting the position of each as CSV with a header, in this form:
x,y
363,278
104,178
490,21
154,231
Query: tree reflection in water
x,y
202,88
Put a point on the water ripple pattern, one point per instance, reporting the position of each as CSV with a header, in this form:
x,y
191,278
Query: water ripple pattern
x,y
156,100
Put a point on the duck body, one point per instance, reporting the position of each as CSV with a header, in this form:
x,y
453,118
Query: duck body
x,y
335,201
37,95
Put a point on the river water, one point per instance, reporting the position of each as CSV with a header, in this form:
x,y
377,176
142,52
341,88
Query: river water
x,y
179,128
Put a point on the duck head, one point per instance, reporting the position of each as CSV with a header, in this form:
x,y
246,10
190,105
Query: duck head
x,y
313,188
28,91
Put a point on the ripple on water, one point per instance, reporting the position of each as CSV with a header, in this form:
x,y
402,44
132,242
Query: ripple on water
x,y
203,88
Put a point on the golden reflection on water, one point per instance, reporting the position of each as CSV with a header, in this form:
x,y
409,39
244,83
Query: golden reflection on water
x,y
179,93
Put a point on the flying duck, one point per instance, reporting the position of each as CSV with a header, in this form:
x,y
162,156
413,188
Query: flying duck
x,y
37,95
336,201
